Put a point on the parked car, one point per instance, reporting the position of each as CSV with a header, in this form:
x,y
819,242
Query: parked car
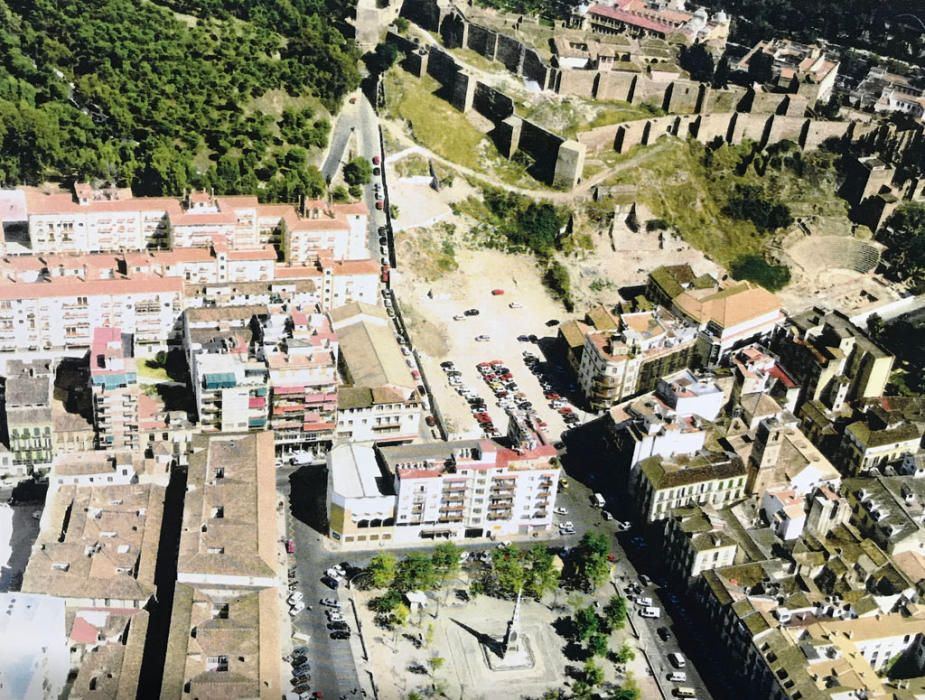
x,y
376,160
471,312
677,660
340,635
457,317
482,338
651,612
331,583
296,609
663,633
331,602
515,305
338,626
380,205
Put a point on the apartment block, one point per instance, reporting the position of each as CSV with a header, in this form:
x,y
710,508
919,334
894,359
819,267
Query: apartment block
x,y
230,384
28,417
90,219
60,314
445,490
303,384
98,545
629,358
705,478
338,231
877,440
379,401
833,360
114,383
695,541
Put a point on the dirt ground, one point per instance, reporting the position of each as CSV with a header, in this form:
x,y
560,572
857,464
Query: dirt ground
x,y
453,631
430,307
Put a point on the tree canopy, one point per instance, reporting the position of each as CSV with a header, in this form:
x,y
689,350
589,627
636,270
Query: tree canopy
x,y
904,234
128,92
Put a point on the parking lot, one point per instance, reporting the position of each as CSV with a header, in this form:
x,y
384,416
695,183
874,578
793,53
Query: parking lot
x,y
499,332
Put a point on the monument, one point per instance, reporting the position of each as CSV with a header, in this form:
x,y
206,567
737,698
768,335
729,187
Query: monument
x,y
514,652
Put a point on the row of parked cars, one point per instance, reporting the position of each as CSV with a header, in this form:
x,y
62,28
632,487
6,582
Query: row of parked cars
x,y
556,402
476,403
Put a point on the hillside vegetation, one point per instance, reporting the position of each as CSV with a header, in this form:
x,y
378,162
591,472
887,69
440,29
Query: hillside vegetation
x,y
732,201
130,92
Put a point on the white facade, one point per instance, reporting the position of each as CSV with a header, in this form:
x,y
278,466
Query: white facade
x,y
61,314
690,395
33,646
785,511
380,422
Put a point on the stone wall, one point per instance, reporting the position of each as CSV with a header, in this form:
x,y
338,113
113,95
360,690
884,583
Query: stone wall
x,y
576,82
616,85
483,41
682,97
510,54
731,127
541,145
427,14
600,138
535,69
492,103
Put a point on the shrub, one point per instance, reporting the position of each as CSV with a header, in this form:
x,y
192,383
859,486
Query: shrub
x,y
755,268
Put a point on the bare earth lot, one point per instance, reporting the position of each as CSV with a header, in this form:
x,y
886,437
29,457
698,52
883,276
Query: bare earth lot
x,y
431,306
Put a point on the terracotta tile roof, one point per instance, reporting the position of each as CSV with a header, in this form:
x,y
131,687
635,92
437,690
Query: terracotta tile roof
x,y
70,287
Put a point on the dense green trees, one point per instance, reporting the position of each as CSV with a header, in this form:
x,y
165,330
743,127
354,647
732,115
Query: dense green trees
x,y
358,172
752,203
125,91
757,269
904,233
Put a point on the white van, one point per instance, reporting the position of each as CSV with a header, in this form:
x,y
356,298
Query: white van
x,y
677,677
598,500
677,660
651,611
685,692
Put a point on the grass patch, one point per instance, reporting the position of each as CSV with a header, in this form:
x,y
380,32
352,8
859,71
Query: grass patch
x,y
435,124
757,269
152,369
412,166
690,189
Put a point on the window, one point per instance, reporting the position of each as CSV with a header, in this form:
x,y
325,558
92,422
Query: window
x,y
217,663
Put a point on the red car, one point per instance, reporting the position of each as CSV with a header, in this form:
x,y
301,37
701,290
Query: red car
x,y
290,546
552,396
497,292
565,410
483,417
379,204
376,160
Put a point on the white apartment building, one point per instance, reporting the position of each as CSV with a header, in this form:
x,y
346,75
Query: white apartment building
x,y
453,490
114,385
92,220
645,345
338,231
61,314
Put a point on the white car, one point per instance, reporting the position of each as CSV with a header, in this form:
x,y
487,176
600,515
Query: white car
x,y
644,601
560,511
296,609
515,305
568,525
482,338
296,596
333,573
459,317
651,612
